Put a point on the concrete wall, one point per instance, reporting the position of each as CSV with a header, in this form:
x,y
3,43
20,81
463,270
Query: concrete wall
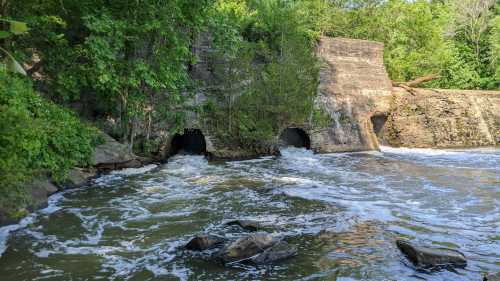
x,y
443,118
354,86
351,77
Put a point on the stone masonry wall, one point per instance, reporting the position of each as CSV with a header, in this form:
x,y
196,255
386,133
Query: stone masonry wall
x,y
443,118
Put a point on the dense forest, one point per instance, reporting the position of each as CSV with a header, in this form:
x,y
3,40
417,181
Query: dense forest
x,y
72,66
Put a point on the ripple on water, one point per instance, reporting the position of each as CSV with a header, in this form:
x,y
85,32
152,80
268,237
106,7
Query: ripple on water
x,y
343,211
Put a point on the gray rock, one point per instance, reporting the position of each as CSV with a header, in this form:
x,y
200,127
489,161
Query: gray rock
x,y
426,257
249,225
279,251
246,247
40,189
492,277
134,163
204,242
107,155
78,177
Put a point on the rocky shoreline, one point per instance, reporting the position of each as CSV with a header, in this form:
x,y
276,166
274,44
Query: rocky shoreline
x,y
109,156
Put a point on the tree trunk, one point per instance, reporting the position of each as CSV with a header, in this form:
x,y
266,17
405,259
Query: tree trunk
x,y
132,134
124,114
416,82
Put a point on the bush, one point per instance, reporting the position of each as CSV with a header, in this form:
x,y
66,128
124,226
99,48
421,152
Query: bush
x,y
36,137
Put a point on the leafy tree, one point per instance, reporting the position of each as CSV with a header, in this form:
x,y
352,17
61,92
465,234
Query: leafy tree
x,y
495,48
129,60
422,37
268,77
472,17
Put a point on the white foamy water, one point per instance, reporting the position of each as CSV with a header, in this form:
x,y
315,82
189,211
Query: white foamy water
x,y
6,230
480,158
343,211
134,171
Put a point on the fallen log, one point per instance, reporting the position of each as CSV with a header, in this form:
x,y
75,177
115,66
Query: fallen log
x,y
416,82
408,86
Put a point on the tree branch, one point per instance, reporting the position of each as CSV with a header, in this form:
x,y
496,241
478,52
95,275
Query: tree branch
x,y
416,82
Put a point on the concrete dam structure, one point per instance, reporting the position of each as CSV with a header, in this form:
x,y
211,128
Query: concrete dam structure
x,y
366,111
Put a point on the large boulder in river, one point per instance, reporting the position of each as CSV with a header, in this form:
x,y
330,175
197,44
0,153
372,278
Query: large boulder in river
x,y
204,242
113,155
246,247
426,257
279,251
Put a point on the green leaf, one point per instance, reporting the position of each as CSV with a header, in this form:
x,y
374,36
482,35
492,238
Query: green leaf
x,y
18,27
14,66
5,34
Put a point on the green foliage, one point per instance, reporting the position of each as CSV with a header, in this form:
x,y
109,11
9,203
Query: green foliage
x,y
130,60
269,74
494,41
423,37
36,137
320,118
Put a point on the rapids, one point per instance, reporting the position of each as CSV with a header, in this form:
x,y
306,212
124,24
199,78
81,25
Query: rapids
x,y
343,211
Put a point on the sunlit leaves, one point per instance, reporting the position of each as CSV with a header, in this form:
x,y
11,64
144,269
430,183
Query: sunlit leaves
x,y
15,28
14,66
269,75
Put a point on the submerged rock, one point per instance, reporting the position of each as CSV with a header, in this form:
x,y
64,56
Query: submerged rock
x,y
492,277
426,257
279,251
204,242
249,225
246,247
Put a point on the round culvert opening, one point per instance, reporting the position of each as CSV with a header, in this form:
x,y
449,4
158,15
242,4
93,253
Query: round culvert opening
x,y
191,141
295,137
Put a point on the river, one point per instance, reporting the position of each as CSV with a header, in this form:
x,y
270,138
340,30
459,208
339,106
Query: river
x,y
343,211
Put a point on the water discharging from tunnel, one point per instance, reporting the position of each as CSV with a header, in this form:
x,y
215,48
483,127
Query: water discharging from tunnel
x,y
343,211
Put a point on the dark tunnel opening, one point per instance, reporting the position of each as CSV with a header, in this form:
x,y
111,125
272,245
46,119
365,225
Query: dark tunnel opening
x,y
378,123
192,141
295,137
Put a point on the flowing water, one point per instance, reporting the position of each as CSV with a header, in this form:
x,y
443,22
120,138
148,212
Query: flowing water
x,y
342,211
